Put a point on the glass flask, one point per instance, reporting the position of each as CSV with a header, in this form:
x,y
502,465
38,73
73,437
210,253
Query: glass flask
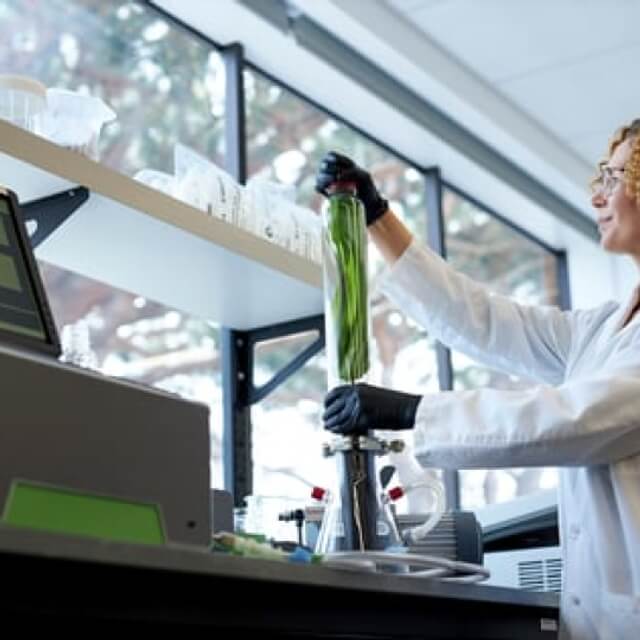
x,y
357,518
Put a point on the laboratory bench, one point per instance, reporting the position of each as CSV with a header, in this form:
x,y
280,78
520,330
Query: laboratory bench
x,y
59,582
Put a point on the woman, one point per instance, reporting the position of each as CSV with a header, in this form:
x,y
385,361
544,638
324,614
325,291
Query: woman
x,y
584,416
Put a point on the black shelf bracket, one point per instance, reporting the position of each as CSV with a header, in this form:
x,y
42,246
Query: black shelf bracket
x,y
239,392
254,337
51,211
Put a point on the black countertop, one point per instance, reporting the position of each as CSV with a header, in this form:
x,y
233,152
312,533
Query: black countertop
x,y
54,580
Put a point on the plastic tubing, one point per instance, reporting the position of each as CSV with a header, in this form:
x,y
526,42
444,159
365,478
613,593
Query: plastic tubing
x,y
416,534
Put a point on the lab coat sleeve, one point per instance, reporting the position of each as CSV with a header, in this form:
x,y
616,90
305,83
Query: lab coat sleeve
x,y
528,341
591,421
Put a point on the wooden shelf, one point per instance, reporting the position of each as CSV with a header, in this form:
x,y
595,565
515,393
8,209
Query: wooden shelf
x,y
141,240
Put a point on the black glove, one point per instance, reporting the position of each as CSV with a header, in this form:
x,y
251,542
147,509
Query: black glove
x,y
353,409
335,167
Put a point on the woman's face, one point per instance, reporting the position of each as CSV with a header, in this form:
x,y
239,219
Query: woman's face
x,y
618,214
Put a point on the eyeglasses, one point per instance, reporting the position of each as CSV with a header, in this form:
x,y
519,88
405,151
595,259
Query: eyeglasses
x,y
608,180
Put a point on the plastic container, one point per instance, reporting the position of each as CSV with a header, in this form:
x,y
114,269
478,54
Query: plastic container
x,y
76,345
158,180
22,101
267,204
277,218
74,121
206,186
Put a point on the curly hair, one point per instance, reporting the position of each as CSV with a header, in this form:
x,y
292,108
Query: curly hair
x,y
632,166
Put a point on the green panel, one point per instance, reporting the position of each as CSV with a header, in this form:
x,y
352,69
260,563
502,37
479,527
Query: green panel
x,y
25,331
63,510
4,241
8,274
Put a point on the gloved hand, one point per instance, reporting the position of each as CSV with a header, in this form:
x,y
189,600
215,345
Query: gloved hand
x,y
354,409
336,167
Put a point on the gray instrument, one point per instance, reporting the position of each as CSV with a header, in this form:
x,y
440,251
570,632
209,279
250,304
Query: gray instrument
x,y
77,429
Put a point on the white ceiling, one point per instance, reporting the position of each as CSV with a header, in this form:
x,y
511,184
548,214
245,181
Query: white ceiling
x,y
571,65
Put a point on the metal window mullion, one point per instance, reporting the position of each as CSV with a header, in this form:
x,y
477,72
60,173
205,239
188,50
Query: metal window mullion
x,y
564,289
236,358
436,240
235,117
236,434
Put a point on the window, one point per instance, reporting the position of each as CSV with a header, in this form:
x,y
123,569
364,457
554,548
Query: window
x,y
492,252
286,138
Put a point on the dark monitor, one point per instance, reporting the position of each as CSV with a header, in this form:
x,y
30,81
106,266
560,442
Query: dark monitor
x,y
25,316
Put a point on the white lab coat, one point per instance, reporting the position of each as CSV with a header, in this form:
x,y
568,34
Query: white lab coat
x,y
583,417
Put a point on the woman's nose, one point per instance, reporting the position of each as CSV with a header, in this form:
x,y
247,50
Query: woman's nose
x,y
598,199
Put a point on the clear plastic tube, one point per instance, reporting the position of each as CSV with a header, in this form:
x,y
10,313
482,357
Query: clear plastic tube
x,y
346,296
417,566
22,101
436,512
424,492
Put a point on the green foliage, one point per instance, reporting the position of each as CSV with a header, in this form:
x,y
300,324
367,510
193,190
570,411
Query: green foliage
x,y
346,240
